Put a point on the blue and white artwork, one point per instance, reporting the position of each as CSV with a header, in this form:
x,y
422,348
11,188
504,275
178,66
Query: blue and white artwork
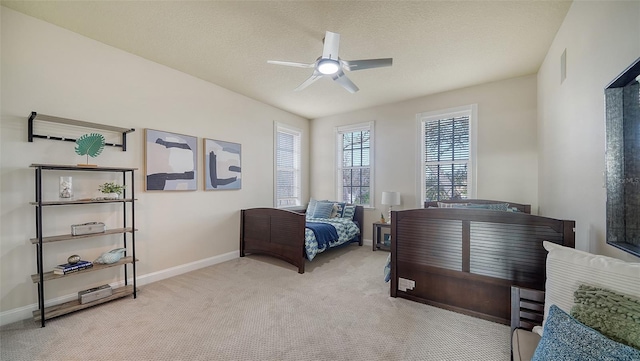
x,y
171,161
222,166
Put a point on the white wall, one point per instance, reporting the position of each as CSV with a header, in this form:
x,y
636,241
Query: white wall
x,y
601,38
56,72
507,144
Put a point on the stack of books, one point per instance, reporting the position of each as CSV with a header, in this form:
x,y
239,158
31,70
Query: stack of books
x,y
67,268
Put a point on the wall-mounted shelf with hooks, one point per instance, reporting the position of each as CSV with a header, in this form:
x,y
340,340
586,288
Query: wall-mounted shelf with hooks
x,y
78,123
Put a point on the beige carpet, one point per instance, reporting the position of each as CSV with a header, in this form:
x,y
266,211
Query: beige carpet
x,y
259,308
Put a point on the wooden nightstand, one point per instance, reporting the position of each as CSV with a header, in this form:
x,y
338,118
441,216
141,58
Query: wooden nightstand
x,y
378,238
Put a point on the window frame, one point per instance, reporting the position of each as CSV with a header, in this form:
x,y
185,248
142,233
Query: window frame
x,y
422,118
297,168
339,132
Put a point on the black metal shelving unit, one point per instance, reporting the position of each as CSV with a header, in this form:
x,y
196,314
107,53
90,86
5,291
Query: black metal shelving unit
x,y
128,228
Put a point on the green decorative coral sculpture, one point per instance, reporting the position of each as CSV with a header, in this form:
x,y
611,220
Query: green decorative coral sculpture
x,y
90,145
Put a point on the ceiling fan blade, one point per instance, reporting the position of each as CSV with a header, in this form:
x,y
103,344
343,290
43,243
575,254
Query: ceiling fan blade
x,y
291,63
315,76
352,65
331,45
342,79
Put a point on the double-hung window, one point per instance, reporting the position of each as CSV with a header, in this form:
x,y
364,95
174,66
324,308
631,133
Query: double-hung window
x,y
287,172
447,140
355,164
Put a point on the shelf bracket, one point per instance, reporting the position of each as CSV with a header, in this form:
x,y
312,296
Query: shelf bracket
x,y
78,123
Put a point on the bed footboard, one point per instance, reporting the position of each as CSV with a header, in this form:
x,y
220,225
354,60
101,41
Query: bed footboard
x,y
274,232
467,260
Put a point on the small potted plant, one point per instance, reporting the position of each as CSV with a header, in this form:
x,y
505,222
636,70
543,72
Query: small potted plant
x,y
111,190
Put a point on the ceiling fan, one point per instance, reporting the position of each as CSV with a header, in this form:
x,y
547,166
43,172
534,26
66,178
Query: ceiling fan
x,y
330,65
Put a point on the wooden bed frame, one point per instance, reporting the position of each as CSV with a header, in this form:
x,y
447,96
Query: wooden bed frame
x,y
280,233
466,260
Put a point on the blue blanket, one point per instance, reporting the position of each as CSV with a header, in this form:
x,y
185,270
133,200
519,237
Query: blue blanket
x,y
324,233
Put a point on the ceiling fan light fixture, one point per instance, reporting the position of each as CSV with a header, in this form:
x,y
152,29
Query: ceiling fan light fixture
x,y
329,63
328,66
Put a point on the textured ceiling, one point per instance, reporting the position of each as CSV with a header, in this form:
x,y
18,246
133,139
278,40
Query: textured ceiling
x,y
435,45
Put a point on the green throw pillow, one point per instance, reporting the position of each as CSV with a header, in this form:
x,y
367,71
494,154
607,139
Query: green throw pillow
x,y
613,314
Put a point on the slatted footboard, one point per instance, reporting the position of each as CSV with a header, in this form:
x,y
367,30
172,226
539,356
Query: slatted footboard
x,y
466,260
274,232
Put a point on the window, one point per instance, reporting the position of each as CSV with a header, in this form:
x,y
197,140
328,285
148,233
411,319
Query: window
x,y
355,164
447,154
287,172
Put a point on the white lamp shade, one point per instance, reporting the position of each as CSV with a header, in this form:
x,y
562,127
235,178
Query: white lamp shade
x,y
391,198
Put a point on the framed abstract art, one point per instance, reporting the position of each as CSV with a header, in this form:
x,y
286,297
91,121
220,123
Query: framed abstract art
x,y
222,166
170,161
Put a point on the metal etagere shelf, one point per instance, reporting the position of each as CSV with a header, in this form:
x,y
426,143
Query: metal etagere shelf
x,y
127,230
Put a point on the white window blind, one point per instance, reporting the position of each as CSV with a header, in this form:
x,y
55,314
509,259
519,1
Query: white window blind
x,y
287,172
447,155
355,164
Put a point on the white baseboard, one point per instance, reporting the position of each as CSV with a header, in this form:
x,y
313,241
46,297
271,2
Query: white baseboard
x,y
26,312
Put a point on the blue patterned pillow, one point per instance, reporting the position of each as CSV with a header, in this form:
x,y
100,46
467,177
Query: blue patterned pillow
x,y
452,205
323,210
349,212
498,206
492,206
566,339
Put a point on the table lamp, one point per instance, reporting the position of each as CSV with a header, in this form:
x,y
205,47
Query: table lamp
x,y
390,199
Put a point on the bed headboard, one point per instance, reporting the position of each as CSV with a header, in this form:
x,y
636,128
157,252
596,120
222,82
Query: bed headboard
x,y
358,217
525,208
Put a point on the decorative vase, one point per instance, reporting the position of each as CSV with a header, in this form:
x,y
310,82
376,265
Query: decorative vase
x,y
112,256
111,196
66,187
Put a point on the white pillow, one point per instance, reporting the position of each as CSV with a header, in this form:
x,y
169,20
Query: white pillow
x,y
568,268
311,207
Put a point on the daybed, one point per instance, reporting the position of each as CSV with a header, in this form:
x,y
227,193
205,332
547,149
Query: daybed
x,y
467,259
288,235
602,296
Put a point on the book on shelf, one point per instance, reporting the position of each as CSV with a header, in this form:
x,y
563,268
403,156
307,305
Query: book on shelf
x,y
72,267
66,272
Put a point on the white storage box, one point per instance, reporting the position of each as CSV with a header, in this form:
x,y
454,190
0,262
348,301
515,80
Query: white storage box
x,y
94,294
87,228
